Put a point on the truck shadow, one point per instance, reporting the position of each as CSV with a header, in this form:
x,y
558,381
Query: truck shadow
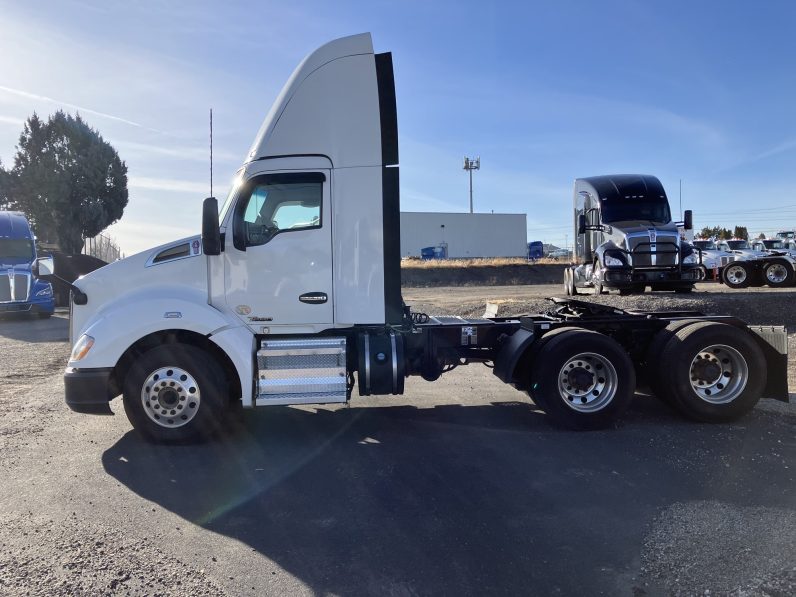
x,y
452,499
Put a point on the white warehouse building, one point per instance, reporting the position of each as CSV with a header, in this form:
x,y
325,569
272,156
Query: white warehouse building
x,y
466,234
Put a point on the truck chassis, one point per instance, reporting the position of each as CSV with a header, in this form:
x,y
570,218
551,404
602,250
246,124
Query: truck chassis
x,y
581,363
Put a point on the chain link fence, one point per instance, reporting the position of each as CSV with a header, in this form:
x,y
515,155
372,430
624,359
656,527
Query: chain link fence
x,y
102,247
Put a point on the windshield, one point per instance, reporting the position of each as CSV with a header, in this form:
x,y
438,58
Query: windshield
x,y
737,245
16,249
773,244
655,211
233,189
705,245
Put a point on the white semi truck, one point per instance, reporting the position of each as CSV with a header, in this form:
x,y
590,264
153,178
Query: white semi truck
x,y
291,295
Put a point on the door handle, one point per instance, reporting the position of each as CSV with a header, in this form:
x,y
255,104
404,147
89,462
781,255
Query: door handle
x,y
314,298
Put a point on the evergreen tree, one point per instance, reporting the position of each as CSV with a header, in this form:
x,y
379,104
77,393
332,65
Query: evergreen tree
x,y
67,179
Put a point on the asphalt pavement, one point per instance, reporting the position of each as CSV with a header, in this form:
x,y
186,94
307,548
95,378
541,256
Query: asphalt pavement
x,y
460,487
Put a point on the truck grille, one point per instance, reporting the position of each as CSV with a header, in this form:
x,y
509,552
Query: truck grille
x,y
664,254
14,288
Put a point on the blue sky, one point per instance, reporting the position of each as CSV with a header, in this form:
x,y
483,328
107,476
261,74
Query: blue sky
x,y
544,92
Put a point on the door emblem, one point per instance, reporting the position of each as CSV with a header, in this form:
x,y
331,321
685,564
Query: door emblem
x,y
243,309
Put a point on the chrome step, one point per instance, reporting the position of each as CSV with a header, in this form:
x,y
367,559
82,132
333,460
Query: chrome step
x,y
301,371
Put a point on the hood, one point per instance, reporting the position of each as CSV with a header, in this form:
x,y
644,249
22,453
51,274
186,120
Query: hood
x,y
172,267
19,264
620,232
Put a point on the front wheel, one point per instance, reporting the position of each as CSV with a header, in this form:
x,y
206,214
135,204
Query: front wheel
x,y
778,274
174,393
715,372
582,379
597,278
737,275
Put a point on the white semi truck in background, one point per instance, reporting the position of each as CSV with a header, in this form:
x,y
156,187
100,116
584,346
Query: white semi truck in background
x,y
292,295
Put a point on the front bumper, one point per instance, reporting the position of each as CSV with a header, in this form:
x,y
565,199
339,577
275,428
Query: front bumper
x,y
88,390
46,305
626,277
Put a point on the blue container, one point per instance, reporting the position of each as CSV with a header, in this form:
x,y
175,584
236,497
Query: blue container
x,y
427,253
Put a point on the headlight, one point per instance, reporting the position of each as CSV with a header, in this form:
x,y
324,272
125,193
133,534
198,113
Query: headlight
x,y
46,291
612,261
82,346
690,258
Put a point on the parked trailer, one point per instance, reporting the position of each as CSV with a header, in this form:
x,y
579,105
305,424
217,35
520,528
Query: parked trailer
x,y
292,296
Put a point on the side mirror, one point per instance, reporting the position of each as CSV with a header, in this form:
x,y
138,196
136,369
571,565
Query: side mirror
x,y
581,224
46,266
688,220
211,232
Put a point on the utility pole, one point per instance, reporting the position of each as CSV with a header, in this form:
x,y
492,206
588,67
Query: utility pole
x,y
471,164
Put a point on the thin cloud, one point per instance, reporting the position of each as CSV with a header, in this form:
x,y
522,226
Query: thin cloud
x,y
12,121
199,154
168,184
44,98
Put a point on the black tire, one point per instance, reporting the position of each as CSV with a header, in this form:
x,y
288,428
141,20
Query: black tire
x,y
573,287
778,273
737,275
716,372
592,401
191,386
598,285
525,366
656,374
684,290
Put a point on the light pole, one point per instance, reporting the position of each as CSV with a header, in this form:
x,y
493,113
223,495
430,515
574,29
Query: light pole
x,y
470,165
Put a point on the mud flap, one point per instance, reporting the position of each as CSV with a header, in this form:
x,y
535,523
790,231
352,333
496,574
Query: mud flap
x,y
774,342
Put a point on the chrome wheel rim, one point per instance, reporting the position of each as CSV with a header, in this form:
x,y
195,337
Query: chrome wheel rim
x,y
171,397
776,273
587,382
718,374
735,274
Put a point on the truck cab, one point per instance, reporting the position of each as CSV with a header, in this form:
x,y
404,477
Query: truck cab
x,y
625,238
21,289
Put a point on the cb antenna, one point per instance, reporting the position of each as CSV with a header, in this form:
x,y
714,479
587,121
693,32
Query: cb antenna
x,y
211,152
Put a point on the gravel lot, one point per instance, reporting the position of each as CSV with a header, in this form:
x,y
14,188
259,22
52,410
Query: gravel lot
x,y
459,487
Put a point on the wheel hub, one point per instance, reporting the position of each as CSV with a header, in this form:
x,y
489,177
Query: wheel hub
x,y
736,274
719,374
776,273
587,382
170,396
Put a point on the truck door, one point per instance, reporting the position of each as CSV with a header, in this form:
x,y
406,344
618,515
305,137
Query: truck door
x,y
278,263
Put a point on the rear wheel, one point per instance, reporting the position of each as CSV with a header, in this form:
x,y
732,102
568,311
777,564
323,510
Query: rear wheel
x,y
715,372
778,274
582,379
737,275
176,392
655,372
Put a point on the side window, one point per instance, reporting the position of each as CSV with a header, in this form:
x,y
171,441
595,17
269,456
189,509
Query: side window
x,y
279,203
